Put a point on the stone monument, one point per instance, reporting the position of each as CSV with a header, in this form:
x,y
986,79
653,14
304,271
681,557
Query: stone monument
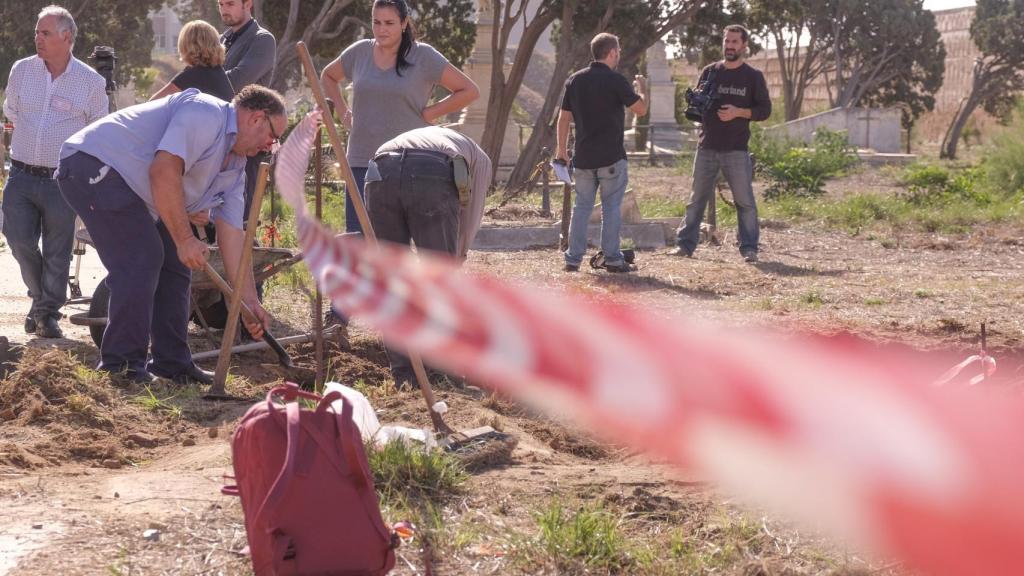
x,y
661,91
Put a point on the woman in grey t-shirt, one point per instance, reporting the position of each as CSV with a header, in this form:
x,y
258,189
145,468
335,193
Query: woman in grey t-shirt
x,y
392,78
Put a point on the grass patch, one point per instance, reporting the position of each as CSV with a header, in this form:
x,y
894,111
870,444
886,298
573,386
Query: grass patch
x,y
152,401
812,299
402,469
661,207
860,212
923,293
588,537
873,301
414,484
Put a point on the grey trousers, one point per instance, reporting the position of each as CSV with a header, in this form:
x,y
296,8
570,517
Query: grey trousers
x,y
411,198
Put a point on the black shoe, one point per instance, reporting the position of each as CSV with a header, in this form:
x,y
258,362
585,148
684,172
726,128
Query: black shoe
x,y
620,268
191,375
30,325
131,376
680,251
572,268
47,328
750,257
139,377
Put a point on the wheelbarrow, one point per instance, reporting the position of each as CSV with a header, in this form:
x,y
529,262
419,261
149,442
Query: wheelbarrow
x,y
206,299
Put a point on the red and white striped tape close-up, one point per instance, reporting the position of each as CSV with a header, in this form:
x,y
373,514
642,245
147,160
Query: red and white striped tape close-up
x,y
830,431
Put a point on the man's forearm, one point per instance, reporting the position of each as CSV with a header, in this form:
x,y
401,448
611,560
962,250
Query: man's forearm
x,y
562,133
169,199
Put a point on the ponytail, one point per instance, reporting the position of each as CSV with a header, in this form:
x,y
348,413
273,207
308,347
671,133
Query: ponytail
x,y
408,32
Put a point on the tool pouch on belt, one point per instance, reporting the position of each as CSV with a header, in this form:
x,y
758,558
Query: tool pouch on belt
x,y
460,172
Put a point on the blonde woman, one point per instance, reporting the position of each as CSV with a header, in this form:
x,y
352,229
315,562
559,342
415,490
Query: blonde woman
x,y
200,49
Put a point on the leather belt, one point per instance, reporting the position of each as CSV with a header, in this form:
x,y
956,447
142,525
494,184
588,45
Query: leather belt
x,y
39,171
414,152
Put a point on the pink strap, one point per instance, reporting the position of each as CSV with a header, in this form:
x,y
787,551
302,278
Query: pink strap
x,y
288,470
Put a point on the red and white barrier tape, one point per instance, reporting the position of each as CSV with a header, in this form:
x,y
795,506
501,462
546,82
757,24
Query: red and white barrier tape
x,y
988,367
825,430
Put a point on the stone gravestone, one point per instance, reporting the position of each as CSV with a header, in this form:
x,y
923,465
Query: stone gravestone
x,y
662,99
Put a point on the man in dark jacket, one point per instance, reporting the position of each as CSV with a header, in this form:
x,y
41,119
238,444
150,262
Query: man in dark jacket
x,y
742,97
249,58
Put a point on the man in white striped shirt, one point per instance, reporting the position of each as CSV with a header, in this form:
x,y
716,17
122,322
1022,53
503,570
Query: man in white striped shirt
x,y
49,97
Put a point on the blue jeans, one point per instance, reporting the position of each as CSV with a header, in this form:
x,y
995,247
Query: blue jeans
x,y
351,220
612,182
739,173
149,286
33,209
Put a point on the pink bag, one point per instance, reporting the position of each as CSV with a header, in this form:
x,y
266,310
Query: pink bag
x,y
307,493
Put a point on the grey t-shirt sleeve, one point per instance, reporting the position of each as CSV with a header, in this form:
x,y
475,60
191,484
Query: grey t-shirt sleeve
x,y
353,55
433,62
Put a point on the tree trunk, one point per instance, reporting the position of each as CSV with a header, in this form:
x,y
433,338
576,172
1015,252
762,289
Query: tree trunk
x,y
543,133
952,139
504,90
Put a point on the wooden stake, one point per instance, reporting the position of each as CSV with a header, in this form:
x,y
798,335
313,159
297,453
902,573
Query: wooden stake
x,y
220,375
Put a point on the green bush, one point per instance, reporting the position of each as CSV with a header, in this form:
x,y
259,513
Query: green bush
x,y
936,185
796,171
1004,161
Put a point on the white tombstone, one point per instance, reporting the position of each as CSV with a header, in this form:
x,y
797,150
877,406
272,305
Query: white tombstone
x,y
661,93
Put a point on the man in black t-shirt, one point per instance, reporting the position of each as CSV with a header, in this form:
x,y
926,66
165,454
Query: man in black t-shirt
x,y
724,133
596,98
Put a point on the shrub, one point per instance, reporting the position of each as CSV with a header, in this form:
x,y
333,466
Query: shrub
x,y
936,185
796,171
1004,161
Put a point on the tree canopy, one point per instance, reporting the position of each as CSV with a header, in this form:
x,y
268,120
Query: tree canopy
x,y
998,74
120,24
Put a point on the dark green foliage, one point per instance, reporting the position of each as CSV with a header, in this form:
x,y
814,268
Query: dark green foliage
x,y
797,171
998,31
700,39
936,185
121,24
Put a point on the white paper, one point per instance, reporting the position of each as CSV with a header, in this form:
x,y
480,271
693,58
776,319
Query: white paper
x,y
562,172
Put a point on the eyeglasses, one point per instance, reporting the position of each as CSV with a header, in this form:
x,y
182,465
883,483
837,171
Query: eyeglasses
x,y
277,137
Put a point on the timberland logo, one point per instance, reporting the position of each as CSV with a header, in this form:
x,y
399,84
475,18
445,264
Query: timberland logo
x,y
734,91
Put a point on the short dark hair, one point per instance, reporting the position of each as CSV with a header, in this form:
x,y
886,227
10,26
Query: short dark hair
x,y
256,97
602,44
744,33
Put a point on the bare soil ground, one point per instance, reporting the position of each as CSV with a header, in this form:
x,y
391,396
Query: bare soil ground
x,y
88,464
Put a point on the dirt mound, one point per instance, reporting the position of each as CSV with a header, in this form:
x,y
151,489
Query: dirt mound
x,y
56,410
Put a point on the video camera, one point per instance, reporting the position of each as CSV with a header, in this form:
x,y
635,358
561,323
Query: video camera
x,y
104,61
703,100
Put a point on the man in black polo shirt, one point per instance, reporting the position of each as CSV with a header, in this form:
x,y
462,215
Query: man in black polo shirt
x,y
596,98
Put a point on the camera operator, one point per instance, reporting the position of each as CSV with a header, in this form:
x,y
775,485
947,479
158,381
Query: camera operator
x,y
50,96
742,96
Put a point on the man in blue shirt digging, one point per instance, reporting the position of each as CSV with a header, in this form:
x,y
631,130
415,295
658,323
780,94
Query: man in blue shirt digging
x,y
137,179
